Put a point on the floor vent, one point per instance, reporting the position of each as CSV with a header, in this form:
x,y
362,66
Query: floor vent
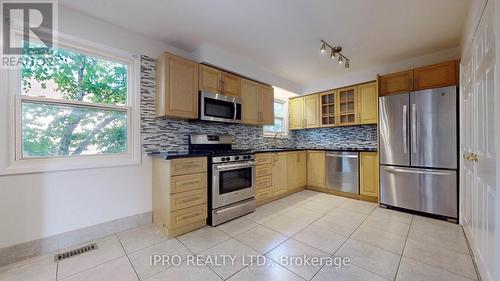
x,y
76,252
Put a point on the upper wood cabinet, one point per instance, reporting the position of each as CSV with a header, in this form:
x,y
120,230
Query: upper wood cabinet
x,y
347,108
427,77
257,103
435,76
396,83
266,104
176,87
328,101
296,113
311,108
369,174
316,168
214,80
367,103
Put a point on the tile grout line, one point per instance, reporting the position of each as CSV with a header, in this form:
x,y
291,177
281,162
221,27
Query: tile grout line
x,y
348,237
471,254
404,247
128,258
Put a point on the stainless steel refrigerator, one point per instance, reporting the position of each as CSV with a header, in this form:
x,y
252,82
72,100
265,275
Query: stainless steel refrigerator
x,y
418,151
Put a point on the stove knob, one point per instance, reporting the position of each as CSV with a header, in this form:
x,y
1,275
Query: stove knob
x,y
236,158
223,159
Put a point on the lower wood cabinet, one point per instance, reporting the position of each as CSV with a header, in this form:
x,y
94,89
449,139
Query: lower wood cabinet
x,y
316,168
369,174
279,173
179,194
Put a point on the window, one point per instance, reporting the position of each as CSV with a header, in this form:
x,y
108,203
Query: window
x,y
76,108
72,104
280,119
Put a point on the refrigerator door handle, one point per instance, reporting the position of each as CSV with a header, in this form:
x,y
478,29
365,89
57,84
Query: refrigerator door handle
x,y
426,172
414,128
405,133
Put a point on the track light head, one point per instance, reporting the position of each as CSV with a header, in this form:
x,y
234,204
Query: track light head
x,y
340,60
332,55
347,64
323,48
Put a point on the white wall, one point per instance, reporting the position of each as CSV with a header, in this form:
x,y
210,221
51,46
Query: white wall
x,y
370,74
34,206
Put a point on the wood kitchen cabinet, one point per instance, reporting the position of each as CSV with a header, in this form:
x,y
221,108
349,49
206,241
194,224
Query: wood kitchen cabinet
x,y
296,113
427,77
368,103
369,175
301,169
396,83
257,103
214,80
176,87
179,194
292,159
279,173
435,76
311,111
328,101
263,177
347,107
316,168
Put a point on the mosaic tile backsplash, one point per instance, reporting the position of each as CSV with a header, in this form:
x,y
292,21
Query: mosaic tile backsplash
x,y
172,134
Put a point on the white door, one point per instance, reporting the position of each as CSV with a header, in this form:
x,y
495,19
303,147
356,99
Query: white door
x,y
478,164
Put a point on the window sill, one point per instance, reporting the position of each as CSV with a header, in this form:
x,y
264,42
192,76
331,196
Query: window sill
x,y
30,166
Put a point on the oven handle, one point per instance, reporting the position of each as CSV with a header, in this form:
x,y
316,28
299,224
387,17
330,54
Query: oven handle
x,y
223,167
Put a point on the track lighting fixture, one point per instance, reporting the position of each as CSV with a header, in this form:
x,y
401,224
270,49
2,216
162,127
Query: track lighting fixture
x,y
333,53
323,48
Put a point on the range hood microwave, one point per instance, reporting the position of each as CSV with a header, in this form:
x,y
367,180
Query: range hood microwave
x,y
219,108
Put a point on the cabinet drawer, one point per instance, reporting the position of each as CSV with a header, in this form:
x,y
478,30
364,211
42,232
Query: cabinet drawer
x,y
187,216
263,193
188,199
188,182
263,158
263,170
188,166
264,181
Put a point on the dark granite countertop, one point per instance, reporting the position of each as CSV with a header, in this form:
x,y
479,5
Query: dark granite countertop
x,y
355,149
167,155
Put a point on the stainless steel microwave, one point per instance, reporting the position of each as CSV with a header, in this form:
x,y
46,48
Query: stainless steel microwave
x,y
220,108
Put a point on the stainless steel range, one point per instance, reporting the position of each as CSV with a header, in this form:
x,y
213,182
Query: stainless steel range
x,y
231,186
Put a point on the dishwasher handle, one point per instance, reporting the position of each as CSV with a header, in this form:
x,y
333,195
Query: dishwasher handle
x,y
342,155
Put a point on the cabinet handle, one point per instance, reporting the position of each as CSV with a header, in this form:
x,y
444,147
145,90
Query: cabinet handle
x,y
189,182
190,199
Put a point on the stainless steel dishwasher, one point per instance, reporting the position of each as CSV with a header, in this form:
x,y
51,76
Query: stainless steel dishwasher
x,y
342,171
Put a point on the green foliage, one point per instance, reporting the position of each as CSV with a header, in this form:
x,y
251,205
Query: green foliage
x,y
51,130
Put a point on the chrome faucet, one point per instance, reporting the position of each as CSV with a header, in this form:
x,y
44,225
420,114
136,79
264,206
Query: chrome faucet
x,y
275,139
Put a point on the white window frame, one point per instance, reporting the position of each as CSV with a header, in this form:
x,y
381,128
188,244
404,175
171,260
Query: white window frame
x,y
285,132
15,164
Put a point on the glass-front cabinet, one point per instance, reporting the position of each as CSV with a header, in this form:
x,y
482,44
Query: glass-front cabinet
x,y
328,108
347,106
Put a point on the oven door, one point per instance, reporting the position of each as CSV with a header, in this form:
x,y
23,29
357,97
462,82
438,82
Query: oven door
x,y
220,108
232,183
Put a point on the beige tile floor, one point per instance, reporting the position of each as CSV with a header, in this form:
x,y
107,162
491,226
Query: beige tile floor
x,y
381,244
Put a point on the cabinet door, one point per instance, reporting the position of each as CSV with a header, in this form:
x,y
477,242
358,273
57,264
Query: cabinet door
x,y
369,174
367,106
210,79
231,84
292,168
296,113
311,111
266,105
316,168
435,76
279,174
177,90
328,109
347,107
396,83
249,102
301,169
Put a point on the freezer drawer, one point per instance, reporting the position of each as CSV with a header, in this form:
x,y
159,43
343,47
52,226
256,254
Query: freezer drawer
x,y
424,190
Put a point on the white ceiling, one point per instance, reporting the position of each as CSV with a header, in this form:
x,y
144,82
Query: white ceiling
x,y
283,36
